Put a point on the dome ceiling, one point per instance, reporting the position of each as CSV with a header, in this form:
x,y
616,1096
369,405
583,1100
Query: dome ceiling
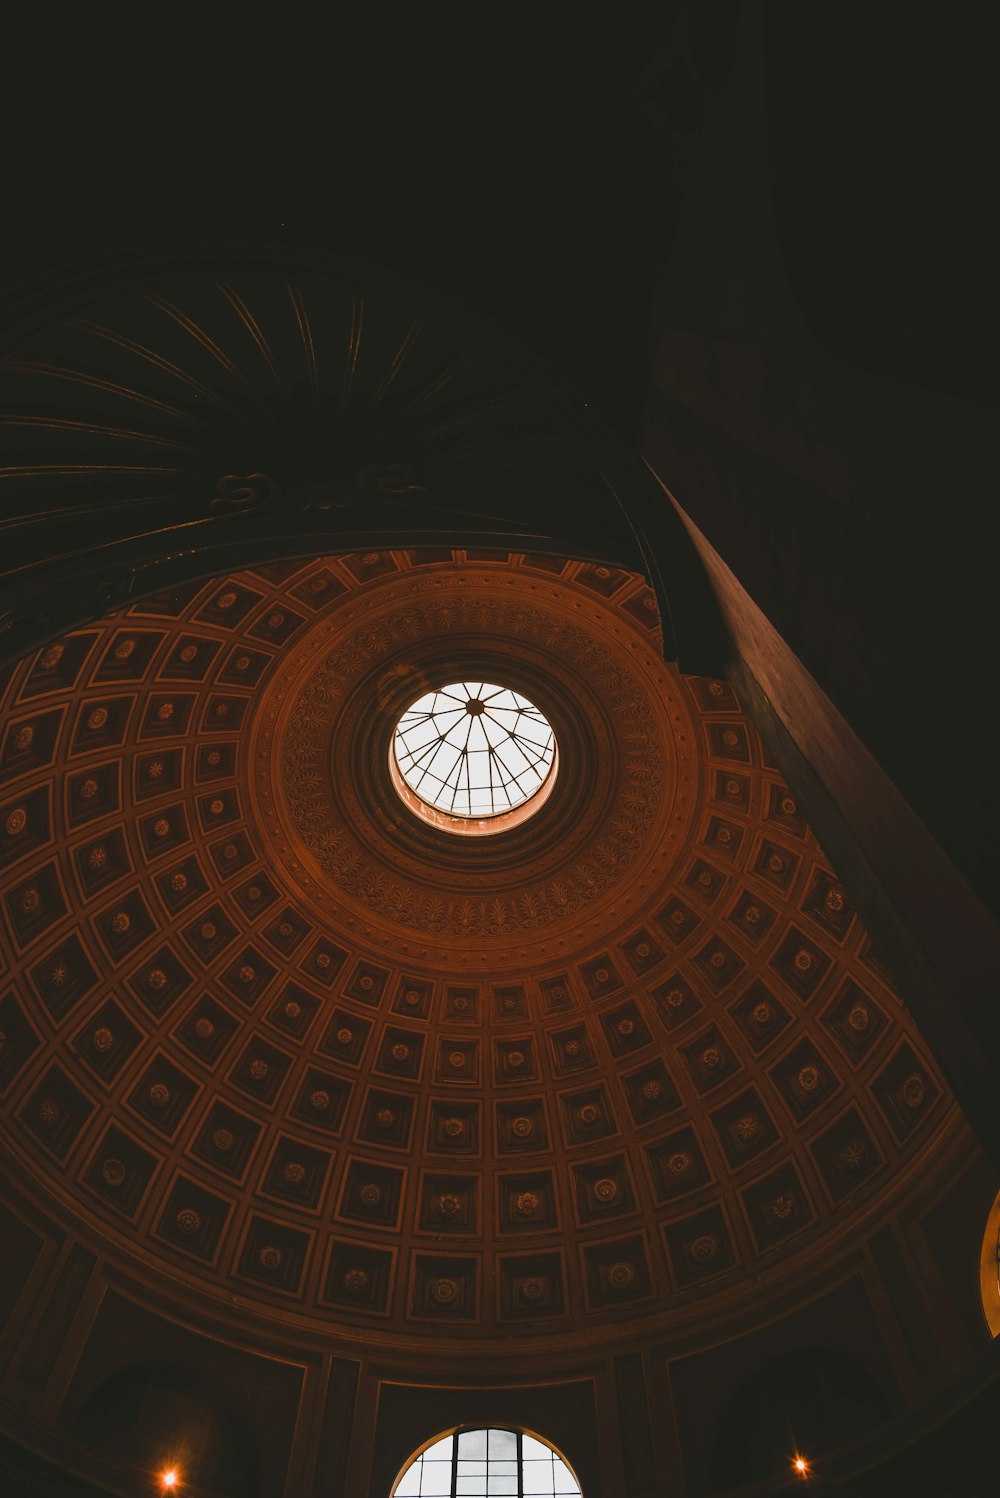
x,y
263,1029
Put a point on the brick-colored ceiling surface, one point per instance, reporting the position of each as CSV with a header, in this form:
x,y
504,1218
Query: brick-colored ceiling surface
x,y
261,1027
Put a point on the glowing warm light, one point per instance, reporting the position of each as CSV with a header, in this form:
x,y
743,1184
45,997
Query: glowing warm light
x,y
801,1466
168,1480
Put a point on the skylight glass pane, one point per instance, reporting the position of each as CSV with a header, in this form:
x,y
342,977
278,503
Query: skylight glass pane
x,y
538,1479
436,1480
502,1485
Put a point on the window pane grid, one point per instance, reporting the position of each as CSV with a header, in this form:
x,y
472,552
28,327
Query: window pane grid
x,y
492,1463
474,749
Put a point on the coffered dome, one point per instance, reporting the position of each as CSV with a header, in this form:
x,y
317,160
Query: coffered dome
x,y
268,1032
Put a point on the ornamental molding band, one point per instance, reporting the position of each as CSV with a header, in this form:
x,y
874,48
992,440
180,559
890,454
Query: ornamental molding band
x,y
271,1041
623,812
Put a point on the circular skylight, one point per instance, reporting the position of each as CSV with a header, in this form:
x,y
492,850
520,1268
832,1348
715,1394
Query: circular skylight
x,y
474,751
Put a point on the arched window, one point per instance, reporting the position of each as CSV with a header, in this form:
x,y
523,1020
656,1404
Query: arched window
x,y
493,1463
989,1270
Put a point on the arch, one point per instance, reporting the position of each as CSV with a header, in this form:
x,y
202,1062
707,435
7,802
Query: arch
x,y
487,1462
989,1269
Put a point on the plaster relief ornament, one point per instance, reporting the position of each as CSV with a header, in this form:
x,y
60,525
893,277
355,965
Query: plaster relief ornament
x,y
113,1172
914,1091
853,1155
